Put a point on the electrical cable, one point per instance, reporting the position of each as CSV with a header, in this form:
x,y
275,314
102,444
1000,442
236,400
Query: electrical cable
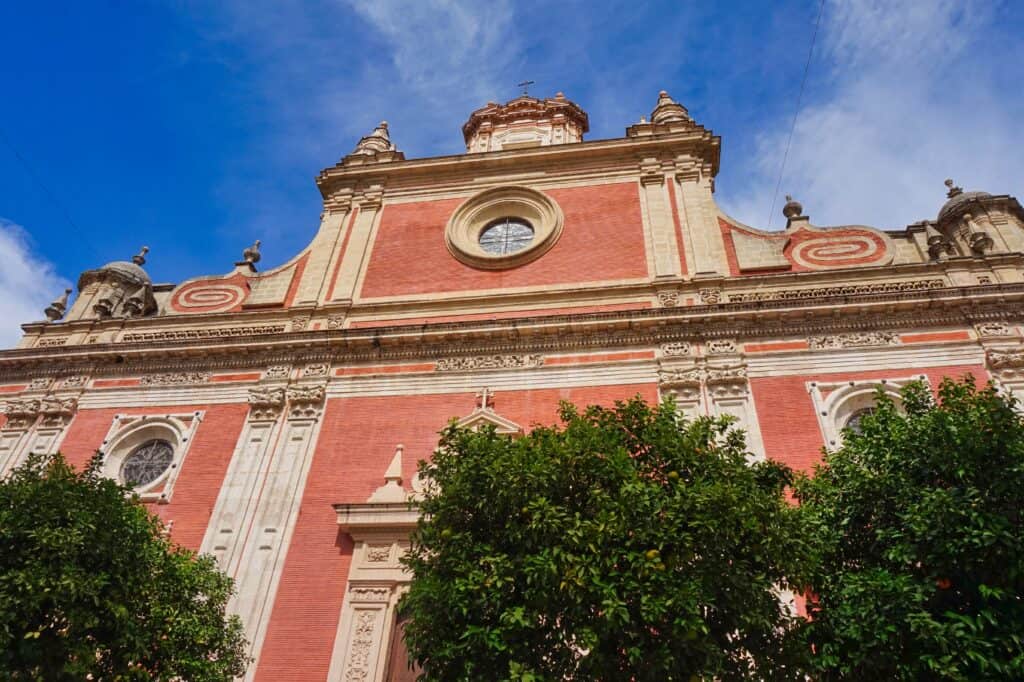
x,y
796,113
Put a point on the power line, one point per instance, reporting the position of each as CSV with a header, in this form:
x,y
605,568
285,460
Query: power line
x,y
79,232
799,98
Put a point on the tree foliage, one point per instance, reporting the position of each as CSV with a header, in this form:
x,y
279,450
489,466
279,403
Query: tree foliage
x,y
625,544
89,586
921,571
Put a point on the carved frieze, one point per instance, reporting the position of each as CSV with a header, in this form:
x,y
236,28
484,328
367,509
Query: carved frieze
x,y
370,593
357,667
479,362
198,334
846,290
1006,363
853,340
50,341
335,321
175,378
40,384
300,323
21,414
265,404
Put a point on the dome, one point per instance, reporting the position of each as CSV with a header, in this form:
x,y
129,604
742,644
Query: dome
x,y
127,270
958,200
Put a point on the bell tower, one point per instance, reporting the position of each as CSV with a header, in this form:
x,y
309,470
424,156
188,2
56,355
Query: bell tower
x,y
525,122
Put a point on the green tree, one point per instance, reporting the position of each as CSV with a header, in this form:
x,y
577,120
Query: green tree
x,y
89,586
626,544
922,560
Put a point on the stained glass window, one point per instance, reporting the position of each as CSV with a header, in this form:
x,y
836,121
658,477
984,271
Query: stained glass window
x,y
147,462
506,235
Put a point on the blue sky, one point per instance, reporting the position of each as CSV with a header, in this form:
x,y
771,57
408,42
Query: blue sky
x,y
196,128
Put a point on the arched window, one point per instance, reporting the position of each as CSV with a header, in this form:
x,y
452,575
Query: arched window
x,y
145,452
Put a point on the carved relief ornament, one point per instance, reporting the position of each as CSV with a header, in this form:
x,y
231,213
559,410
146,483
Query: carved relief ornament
x,y
265,404
505,361
853,340
175,378
305,402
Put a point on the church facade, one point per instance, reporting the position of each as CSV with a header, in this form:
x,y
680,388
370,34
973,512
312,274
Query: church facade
x,y
275,419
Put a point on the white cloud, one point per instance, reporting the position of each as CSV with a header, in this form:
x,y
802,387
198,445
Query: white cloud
x,y
27,283
913,95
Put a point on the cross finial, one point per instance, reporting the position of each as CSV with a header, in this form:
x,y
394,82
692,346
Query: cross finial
x,y
525,85
485,398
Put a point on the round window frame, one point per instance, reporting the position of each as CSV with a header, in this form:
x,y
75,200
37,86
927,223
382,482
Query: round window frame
x,y
131,453
508,220
121,446
478,212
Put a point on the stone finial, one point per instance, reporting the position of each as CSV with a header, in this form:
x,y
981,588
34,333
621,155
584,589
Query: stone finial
x,y
56,310
377,141
251,255
793,208
140,258
953,189
667,110
392,490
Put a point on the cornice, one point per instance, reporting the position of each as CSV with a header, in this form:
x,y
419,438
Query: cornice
x,y
921,309
699,142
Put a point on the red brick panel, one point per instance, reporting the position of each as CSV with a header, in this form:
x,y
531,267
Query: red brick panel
x,y
202,474
13,388
935,336
356,444
789,426
603,240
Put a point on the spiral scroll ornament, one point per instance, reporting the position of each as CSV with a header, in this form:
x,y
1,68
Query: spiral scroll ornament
x,y
204,297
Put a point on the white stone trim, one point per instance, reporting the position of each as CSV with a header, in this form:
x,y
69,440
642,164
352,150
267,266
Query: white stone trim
x,y
128,431
835,402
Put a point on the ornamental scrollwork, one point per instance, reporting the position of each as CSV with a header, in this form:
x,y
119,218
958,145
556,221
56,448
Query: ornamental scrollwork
x,y
676,349
710,296
996,328
853,340
196,334
510,361
719,346
305,402
668,299
265,404
175,378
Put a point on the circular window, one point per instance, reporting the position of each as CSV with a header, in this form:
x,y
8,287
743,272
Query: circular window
x,y
853,423
506,235
503,227
147,462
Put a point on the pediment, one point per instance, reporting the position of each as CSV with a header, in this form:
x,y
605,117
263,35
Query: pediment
x,y
484,416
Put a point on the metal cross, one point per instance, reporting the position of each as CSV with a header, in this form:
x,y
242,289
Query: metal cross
x,y
525,85
485,395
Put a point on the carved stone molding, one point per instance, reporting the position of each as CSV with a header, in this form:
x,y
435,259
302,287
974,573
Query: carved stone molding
x,y
277,372
40,384
305,402
719,346
994,328
77,381
370,593
854,340
509,361
335,321
194,334
731,378
175,378
47,342
845,290
265,404
1007,364
710,295
21,414
317,369
55,412
668,299
299,323
675,349
357,667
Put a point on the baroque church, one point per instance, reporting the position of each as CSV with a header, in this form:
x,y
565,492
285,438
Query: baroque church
x,y
274,419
